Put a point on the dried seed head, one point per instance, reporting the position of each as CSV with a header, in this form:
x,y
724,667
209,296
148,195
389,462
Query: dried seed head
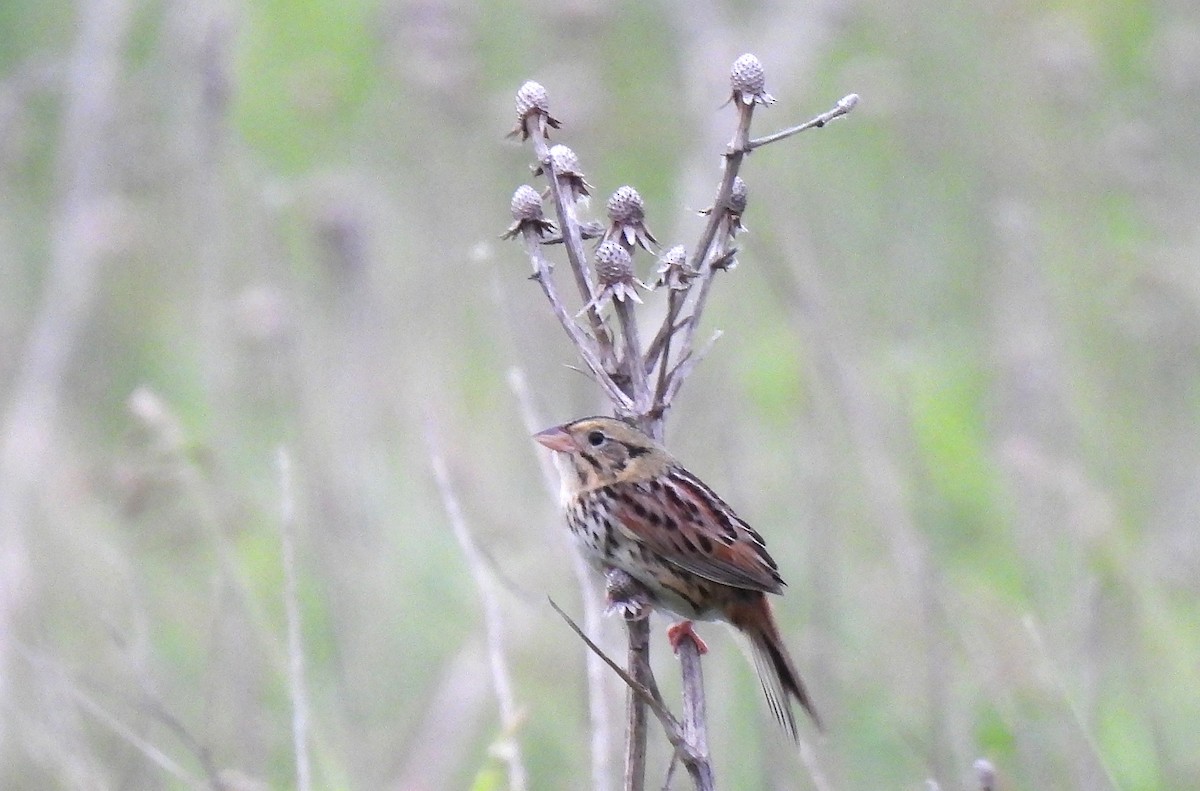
x,y
614,269
526,207
626,206
627,219
673,269
526,203
564,161
748,81
676,256
613,263
533,102
532,96
565,165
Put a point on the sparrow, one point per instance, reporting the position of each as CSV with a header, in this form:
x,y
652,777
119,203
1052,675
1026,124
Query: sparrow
x,y
631,506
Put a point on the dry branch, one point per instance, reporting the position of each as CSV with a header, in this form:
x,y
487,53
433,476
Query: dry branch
x,y
640,382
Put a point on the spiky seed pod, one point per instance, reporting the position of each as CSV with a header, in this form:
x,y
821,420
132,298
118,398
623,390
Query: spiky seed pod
x,y
613,264
627,219
533,102
673,269
526,208
565,161
747,81
532,96
526,203
565,165
614,270
626,205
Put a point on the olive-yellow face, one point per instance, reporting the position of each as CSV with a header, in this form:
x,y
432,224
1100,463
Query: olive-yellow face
x,y
601,450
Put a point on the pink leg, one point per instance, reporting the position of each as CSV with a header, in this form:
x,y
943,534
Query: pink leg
x,y
677,633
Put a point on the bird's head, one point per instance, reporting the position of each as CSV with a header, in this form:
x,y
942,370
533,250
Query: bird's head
x,y
604,450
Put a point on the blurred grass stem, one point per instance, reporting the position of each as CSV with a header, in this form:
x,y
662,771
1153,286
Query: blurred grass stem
x,y
291,607
507,746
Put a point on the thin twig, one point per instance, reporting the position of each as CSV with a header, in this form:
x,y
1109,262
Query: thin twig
x,y
647,694
665,333
843,106
684,369
705,253
637,632
291,607
508,747
151,752
44,665
582,342
633,355
572,239
1077,718
696,762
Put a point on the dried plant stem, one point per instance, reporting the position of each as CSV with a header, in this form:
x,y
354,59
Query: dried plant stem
x,y
507,747
146,748
1063,690
638,662
697,763
291,606
637,391
583,344
695,722
710,245
844,105
633,357
572,239
35,393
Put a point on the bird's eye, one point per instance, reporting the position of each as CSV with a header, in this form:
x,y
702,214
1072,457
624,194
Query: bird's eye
x,y
596,438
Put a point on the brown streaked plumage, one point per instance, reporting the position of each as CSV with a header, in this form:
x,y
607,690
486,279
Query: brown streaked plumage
x,y
632,506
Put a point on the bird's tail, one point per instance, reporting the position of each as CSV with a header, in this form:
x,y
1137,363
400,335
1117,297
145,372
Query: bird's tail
x,y
776,671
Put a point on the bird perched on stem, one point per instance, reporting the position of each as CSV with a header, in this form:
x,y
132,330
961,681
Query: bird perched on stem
x,y
631,506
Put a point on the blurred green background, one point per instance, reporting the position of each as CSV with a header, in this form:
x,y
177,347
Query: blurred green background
x,y
958,389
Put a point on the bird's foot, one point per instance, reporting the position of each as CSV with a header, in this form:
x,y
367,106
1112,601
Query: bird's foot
x,y
678,632
625,596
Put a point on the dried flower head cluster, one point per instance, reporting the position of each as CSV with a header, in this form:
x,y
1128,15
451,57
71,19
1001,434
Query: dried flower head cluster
x,y
607,276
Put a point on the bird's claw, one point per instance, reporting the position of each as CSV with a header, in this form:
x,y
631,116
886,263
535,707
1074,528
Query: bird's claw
x,y
678,632
625,596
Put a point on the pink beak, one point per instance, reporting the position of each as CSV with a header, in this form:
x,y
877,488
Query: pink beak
x,y
556,439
